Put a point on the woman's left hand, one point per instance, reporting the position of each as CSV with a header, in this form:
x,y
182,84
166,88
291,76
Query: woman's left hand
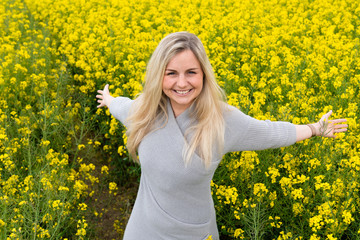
x,y
328,128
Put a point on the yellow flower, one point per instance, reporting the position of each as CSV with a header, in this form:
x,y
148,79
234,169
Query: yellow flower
x,y
81,228
2,223
56,204
113,188
347,217
314,237
297,193
330,237
297,208
260,190
238,233
44,143
121,150
82,206
316,223
81,146
104,170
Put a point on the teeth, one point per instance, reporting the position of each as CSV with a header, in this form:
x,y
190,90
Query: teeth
x,y
182,92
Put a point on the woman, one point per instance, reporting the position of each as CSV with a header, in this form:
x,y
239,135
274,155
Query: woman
x,y
179,128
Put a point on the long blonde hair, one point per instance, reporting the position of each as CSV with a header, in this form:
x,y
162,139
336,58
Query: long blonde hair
x,y
150,107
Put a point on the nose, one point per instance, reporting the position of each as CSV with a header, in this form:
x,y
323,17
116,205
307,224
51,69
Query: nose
x,y
182,82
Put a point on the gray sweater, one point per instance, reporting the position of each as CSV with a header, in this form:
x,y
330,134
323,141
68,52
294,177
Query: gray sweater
x,y
174,201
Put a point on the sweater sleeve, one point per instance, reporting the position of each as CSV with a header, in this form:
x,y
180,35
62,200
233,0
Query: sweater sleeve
x,y
120,107
244,133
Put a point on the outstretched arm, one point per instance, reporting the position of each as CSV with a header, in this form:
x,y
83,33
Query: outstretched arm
x,y
324,128
104,97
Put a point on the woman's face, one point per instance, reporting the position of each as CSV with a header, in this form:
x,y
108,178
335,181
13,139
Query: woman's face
x,y
183,80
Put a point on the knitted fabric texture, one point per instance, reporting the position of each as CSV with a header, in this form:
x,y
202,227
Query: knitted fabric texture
x,y
174,201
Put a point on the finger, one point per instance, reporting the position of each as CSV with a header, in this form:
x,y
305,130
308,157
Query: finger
x,y
106,88
341,126
339,120
100,96
100,91
340,130
327,115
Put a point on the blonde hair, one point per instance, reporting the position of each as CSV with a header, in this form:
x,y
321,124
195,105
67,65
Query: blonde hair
x,y
150,107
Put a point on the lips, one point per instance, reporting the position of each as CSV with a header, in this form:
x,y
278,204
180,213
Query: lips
x,y
182,92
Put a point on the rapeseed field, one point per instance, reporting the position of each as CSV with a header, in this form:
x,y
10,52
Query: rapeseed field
x,y
288,60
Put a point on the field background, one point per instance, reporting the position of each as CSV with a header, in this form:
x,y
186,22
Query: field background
x,y
64,168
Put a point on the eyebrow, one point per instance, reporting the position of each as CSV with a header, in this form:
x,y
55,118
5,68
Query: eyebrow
x,y
168,69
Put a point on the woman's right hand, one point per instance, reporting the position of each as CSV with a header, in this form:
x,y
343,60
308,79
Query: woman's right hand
x,y
104,97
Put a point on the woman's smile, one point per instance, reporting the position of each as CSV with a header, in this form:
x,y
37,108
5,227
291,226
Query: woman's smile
x,y
182,92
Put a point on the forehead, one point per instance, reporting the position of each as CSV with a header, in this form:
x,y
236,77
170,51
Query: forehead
x,y
184,59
